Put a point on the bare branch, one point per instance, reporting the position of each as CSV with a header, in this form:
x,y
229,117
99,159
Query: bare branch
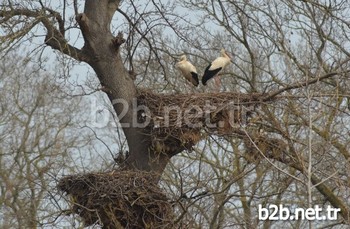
x,y
300,85
54,38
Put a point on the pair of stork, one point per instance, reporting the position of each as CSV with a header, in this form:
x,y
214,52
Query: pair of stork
x,y
212,71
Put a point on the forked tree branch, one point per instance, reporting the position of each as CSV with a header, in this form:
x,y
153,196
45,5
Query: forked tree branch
x,y
54,37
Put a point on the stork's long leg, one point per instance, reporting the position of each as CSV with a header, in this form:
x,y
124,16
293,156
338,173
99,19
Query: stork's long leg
x,y
217,80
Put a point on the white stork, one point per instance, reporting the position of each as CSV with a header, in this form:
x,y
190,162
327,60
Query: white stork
x,y
188,70
215,68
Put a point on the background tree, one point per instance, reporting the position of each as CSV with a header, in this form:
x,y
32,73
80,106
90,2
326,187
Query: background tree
x,y
37,142
295,151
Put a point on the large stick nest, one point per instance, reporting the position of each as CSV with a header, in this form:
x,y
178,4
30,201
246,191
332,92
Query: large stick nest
x,y
175,120
118,199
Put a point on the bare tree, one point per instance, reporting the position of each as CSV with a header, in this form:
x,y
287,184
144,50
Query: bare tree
x,y
290,62
36,142
281,44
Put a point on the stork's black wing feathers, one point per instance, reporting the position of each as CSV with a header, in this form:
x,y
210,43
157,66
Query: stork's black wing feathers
x,y
195,80
208,74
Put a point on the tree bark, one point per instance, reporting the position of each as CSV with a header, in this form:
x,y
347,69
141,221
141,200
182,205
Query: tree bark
x,y
105,59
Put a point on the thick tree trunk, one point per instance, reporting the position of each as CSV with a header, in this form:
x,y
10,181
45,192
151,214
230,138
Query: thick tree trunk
x,y
104,57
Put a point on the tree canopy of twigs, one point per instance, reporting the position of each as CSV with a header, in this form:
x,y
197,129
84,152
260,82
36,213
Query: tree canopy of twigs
x,y
278,133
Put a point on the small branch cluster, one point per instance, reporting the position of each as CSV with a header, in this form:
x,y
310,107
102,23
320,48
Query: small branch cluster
x,y
118,40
